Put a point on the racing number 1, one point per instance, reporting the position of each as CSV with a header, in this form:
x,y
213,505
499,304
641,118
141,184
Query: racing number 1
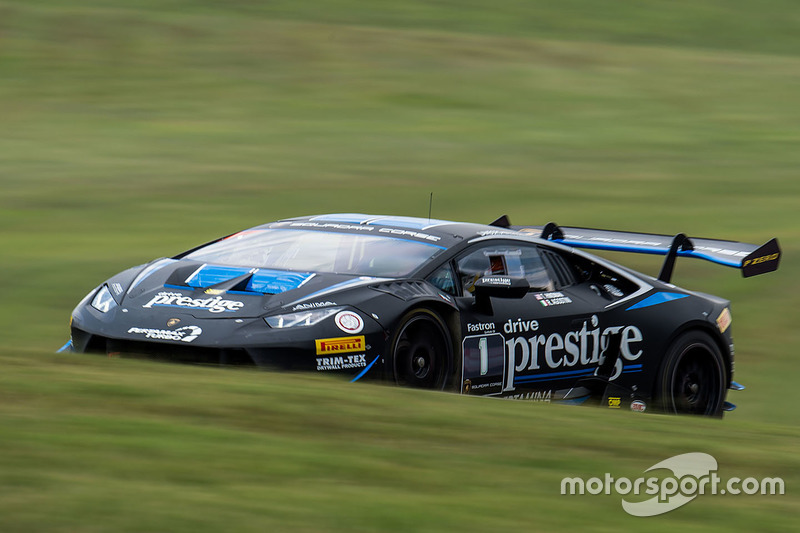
x,y
483,349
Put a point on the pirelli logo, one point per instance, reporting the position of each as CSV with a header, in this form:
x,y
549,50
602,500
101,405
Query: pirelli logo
x,y
340,345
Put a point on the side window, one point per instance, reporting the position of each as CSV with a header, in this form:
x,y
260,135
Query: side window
x,y
518,261
579,270
444,280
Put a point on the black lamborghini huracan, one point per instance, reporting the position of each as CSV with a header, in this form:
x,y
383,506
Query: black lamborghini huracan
x,y
493,310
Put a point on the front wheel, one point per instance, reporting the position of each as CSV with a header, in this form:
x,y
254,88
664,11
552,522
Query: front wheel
x,y
421,350
693,377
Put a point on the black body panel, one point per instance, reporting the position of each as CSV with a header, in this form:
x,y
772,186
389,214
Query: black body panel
x,y
526,317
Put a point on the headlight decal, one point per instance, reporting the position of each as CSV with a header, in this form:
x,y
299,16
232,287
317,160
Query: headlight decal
x,y
103,301
302,318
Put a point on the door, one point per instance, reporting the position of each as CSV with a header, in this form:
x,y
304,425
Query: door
x,y
525,347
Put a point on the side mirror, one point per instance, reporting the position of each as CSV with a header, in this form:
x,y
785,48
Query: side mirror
x,y
499,287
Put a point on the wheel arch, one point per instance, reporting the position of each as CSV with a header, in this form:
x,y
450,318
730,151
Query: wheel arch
x,y
451,318
716,336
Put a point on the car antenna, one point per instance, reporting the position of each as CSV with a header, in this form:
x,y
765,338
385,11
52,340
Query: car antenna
x,y
430,207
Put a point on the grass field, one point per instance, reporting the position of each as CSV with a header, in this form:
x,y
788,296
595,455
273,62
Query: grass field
x,y
132,130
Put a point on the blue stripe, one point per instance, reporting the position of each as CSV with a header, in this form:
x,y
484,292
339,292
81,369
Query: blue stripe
x,y
572,373
651,251
365,370
554,375
657,299
67,348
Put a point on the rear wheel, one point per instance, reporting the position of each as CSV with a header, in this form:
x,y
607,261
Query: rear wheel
x,y
422,351
693,378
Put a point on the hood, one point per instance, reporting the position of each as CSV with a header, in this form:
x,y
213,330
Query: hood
x,y
219,291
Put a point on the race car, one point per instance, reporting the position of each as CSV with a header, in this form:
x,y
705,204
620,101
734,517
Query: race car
x,y
493,310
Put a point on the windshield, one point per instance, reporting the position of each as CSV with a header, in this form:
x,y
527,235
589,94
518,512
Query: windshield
x,y
318,251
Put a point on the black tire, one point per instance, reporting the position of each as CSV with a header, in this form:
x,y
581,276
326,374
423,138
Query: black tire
x,y
421,351
693,378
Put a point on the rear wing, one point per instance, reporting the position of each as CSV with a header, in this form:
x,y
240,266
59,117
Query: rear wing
x,y
751,259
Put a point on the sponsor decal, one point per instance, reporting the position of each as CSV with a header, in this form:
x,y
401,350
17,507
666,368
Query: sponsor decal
x,y
489,232
724,320
349,322
575,348
762,259
479,386
172,322
408,233
117,288
548,299
538,396
184,334
214,292
486,326
467,386
639,406
312,305
332,225
496,280
176,299
345,362
614,403
340,345
363,228
520,326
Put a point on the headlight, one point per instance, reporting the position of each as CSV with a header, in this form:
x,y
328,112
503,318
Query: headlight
x,y
103,301
303,318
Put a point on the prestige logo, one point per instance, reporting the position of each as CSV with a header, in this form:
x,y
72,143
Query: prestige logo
x,y
340,345
575,348
176,299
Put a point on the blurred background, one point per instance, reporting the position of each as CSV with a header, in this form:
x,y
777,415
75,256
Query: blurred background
x,y
134,130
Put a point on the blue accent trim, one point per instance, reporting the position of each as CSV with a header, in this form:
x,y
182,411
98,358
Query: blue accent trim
x,y
66,348
263,280
576,373
657,299
276,281
554,375
365,370
209,275
651,251
176,287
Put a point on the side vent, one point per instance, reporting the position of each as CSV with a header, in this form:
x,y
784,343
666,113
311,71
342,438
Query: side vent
x,y
406,290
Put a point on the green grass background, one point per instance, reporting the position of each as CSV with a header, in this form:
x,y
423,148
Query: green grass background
x,y
132,130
